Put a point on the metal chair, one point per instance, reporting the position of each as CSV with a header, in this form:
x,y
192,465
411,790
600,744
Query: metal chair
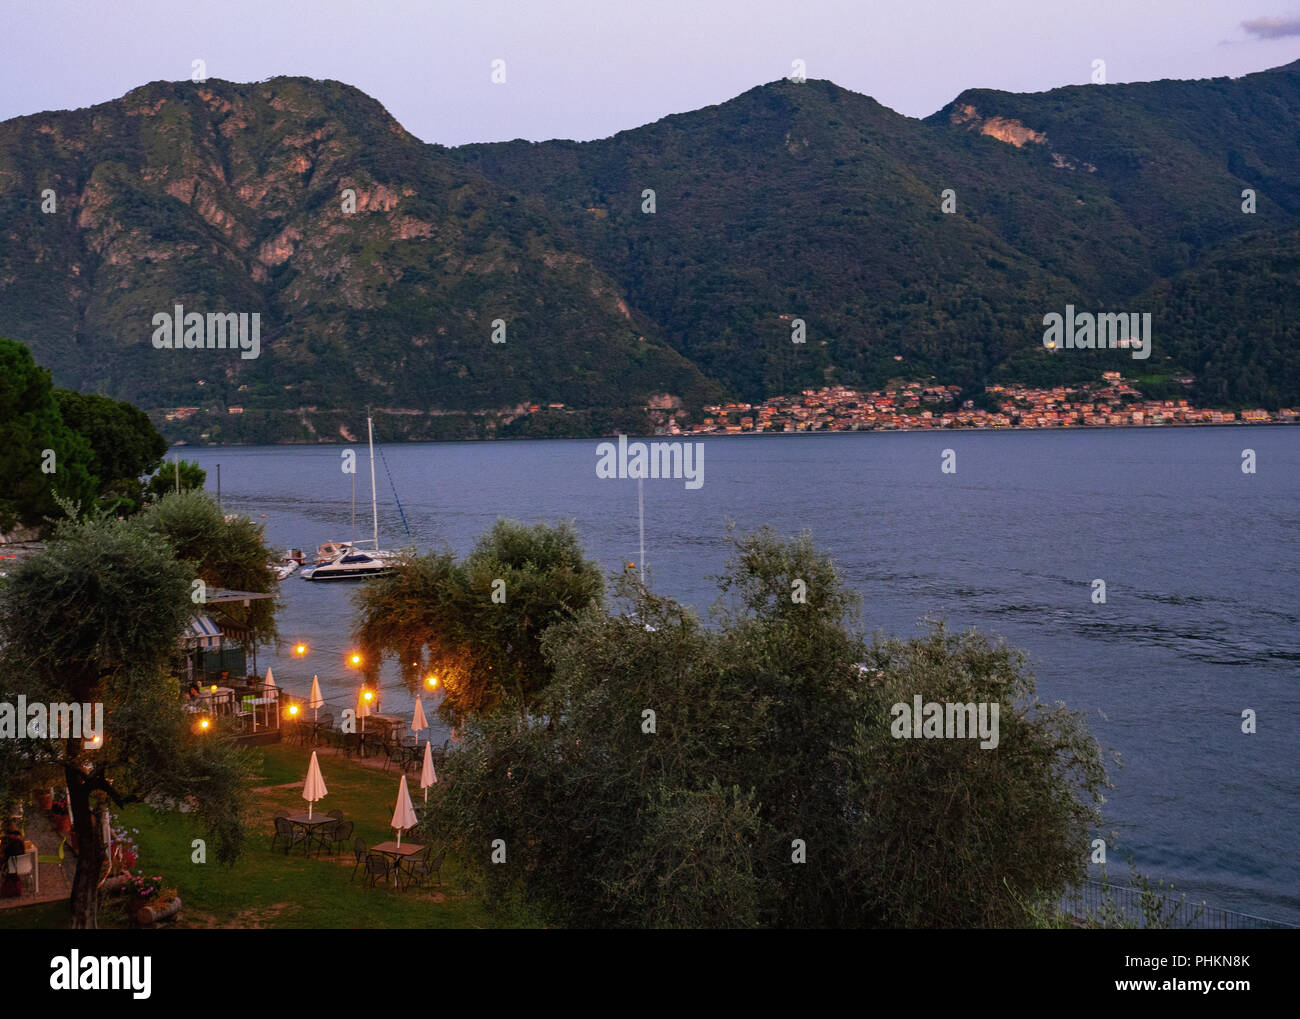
x,y
325,835
342,833
392,752
378,865
426,865
287,830
360,852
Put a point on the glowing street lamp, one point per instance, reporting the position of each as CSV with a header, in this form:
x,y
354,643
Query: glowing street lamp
x,y
354,660
431,681
300,649
365,704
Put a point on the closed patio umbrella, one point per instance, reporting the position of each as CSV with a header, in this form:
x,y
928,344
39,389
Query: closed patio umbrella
x,y
427,775
418,721
404,814
316,700
267,686
315,788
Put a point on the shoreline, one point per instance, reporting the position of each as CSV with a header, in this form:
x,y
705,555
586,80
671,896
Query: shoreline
x,y
694,436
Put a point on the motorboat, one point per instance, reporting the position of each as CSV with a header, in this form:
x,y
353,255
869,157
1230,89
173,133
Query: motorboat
x,y
346,560
288,564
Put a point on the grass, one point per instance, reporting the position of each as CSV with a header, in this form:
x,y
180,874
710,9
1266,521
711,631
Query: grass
x,y
266,889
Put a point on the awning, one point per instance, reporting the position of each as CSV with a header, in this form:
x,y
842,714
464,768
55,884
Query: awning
x,y
222,594
201,633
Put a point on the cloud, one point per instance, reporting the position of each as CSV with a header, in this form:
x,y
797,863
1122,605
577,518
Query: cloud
x,y
1272,28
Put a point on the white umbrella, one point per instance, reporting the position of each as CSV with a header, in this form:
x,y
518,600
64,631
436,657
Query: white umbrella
x,y
404,813
427,775
316,700
419,722
315,788
267,686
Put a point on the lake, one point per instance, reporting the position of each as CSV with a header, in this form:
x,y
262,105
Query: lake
x,y
1199,561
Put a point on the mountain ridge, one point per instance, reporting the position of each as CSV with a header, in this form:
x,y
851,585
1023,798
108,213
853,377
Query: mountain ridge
x,y
790,200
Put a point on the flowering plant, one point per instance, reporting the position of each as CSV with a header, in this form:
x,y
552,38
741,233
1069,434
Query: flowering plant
x,y
143,887
130,852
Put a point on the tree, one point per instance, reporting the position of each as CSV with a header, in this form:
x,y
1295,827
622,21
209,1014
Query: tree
x,y
94,619
478,624
222,553
746,774
191,476
124,443
41,458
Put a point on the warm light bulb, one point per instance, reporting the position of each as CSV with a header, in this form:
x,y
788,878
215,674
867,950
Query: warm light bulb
x,y
432,680
293,709
369,695
356,659
203,724
301,649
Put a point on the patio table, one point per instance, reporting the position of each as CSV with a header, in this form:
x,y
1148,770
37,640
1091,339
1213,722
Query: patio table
x,y
310,824
398,853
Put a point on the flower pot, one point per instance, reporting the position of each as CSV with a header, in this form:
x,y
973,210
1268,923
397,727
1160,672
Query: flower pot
x,y
45,800
62,824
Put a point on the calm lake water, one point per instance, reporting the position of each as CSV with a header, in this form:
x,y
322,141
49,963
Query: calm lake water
x,y
1199,559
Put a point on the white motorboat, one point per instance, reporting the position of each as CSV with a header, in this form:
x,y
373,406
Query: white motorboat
x,y
352,560
349,561
286,566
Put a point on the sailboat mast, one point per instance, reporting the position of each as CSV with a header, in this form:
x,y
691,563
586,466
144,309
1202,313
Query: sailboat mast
x,y
374,499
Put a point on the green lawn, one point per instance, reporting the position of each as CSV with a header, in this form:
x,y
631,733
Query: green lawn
x,y
268,889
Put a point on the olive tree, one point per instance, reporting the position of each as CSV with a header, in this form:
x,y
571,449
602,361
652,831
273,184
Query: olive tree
x,y
94,619
747,773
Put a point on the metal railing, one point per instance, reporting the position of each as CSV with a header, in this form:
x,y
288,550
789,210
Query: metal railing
x,y
1099,903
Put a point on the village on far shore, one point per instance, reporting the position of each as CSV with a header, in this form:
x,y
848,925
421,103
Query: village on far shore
x,y
907,406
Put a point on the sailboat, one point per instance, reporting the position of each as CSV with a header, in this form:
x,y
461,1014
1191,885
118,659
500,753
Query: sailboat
x,y
349,560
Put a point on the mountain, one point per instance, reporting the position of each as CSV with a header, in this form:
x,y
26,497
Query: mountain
x,y
230,198
795,200
803,199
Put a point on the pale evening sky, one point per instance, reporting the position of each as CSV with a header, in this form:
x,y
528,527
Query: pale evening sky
x,y
588,68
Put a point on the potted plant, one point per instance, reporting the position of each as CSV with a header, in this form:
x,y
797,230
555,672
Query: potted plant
x,y
150,902
142,890
45,799
59,816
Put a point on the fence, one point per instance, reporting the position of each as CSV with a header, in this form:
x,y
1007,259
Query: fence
x,y
1103,904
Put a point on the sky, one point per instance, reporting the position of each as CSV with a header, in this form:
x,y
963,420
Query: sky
x,y
588,68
